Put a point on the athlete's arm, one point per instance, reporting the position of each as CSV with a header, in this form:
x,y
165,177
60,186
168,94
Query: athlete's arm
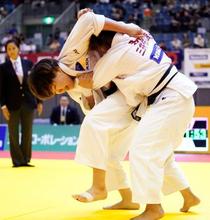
x,y
121,27
116,26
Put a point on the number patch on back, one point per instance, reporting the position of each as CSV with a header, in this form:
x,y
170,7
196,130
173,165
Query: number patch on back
x,y
157,54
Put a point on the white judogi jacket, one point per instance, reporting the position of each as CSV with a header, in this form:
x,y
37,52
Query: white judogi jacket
x,y
77,43
75,50
136,66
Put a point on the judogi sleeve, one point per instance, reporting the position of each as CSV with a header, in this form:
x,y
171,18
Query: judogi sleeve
x,y
76,45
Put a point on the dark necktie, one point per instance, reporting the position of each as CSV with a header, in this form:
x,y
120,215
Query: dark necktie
x,y
63,112
63,116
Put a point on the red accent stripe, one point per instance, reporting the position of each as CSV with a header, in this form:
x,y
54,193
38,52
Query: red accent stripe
x,y
70,156
44,155
193,158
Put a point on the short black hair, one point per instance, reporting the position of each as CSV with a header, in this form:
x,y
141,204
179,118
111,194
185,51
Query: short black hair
x,y
41,78
104,39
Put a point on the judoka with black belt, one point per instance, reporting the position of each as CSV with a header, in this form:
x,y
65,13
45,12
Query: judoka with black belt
x,y
163,104
152,97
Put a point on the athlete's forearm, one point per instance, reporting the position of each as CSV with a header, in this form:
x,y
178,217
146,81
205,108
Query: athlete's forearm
x,y
116,26
112,25
121,27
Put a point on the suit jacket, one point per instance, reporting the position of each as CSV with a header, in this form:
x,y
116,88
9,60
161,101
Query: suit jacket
x,y
72,116
12,93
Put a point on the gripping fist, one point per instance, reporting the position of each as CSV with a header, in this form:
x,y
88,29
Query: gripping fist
x,y
134,30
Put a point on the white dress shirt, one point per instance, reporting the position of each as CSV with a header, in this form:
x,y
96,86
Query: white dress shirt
x,y
17,65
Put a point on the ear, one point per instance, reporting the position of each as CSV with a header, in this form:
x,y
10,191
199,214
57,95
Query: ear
x,y
53,87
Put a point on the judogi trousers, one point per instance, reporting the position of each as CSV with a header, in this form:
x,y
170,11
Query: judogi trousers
x,y
108,131
159,132
105,136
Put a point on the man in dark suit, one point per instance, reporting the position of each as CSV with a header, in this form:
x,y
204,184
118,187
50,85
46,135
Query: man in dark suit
x,y
64,113
17,103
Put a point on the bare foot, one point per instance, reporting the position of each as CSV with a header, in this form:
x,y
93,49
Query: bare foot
x,y
152,212
91,195
123,205
189,202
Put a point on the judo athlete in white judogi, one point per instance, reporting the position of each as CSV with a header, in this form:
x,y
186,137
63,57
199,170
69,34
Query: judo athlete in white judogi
x,y
50,77
144,75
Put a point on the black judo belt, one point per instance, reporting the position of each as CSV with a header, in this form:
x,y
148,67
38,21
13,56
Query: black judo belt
x,y
152,97
111,90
